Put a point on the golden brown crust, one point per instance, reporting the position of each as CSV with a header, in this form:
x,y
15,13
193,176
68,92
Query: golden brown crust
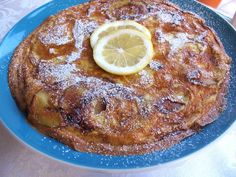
x,y
16,80
54,78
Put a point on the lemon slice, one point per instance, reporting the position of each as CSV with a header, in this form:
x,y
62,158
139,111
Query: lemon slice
x,y
108,28
123,52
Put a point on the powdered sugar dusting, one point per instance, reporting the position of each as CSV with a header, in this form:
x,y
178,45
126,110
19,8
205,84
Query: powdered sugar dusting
x,y
57,35
176,41
146,78
169,17
160,35
136,17
59,72
81,30
91,10
68,74
107,90
74,56
179,40
65,75
168,77
201,37
52,51
155,65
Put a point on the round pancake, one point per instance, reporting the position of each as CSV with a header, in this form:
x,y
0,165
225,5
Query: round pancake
x,y
55,80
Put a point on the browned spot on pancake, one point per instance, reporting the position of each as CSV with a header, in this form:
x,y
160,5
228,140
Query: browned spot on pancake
x,y
48,52
167,106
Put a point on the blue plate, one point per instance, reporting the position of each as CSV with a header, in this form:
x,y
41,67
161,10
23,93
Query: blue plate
x,y
15,121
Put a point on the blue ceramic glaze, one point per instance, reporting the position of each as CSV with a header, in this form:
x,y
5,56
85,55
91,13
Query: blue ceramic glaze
x,y
15,121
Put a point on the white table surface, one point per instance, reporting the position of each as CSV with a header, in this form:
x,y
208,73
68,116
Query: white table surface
x,y
16,160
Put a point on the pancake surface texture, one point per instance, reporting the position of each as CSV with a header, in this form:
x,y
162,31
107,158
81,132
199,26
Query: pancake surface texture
x,y
54,79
